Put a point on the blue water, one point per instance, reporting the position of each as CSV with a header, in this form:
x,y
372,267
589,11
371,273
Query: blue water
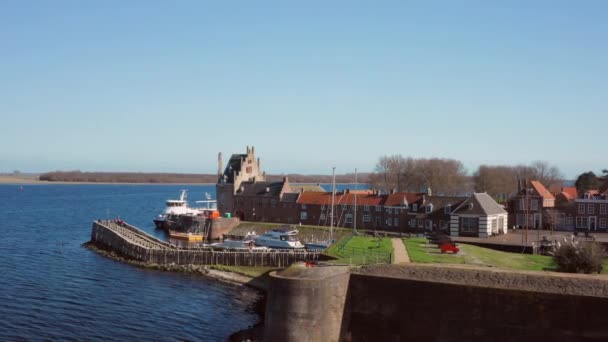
x,y
52,288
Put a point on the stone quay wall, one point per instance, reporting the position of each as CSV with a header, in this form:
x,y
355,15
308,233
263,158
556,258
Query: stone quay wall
x,y
435,303
134,244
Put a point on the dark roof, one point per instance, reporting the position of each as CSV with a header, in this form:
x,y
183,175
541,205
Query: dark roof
x,y
259,189
398,198
439,203
234,164
290,197
480,204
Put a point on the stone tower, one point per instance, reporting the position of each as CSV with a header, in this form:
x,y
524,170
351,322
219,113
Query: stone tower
x,y
240,168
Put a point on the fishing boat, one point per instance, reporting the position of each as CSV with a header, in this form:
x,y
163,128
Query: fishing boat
x,y
179,216
280,238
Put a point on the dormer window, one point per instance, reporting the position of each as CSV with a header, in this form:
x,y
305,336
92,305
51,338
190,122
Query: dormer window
x,y
447,209
415,207
429,208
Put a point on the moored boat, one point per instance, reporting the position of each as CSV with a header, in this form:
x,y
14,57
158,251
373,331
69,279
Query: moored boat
x,y
186,236
283,238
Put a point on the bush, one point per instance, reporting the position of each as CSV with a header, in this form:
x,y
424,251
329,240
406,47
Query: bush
x,y
578,257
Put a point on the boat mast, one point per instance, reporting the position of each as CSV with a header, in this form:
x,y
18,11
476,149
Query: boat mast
x,y
333,193
355,218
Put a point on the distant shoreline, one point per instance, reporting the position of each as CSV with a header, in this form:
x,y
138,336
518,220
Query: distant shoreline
x,y
16,180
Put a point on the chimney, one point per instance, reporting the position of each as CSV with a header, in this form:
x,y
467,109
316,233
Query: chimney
x,y
267,189
219,163
393,190
429,191
347,191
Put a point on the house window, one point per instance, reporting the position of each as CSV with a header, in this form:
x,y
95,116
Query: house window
x,y
447,209
469,224
429,224
396,222
415,207
303,206
590,208
303,215
367,218
322,216
602,223
420,223
348,218
602,209
413,223
581,222
388,222
389,210
366,207
378,208
429,208
522,204
581,208
534,205
569,221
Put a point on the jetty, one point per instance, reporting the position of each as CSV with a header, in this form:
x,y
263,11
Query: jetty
x,y
132,243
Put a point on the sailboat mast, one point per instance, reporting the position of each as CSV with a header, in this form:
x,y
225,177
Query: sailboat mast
x,y
355,218
333,193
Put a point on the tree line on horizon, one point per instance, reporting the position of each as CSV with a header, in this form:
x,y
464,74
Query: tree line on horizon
x,y
449,177
177,178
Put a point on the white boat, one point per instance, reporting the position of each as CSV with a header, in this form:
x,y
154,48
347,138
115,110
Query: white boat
x,y
285,238
180,207
248,242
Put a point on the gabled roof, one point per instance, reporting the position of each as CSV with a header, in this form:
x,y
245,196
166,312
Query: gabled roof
x,y
324,198
438,204
306,187
290,197
400,198
570,192
541,190
480,204
234,164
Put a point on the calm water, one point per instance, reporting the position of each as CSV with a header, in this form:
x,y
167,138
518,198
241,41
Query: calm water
x,y
52,288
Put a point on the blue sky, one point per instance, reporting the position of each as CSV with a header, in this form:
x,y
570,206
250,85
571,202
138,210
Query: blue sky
x,y
165,86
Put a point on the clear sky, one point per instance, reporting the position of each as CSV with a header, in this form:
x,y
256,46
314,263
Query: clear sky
x,y
164,86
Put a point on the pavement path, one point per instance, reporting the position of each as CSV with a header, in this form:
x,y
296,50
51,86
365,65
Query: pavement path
x,y
399,252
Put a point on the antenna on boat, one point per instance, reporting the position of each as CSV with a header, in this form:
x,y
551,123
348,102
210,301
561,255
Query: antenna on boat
x,y
355,218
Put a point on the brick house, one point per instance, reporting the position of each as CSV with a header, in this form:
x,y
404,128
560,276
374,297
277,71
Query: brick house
x,y
532,203
432,213
591,212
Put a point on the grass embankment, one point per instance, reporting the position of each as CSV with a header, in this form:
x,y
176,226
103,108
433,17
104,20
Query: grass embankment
x,y
360,250
248,271
420,251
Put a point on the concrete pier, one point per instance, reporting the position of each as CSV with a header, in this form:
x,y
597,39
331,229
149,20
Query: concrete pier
x,y
132,243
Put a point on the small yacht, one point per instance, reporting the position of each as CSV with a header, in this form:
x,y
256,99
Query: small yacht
x,y
285,237
248,242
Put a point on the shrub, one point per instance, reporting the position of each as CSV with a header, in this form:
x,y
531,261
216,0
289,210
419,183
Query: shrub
x,y
578,257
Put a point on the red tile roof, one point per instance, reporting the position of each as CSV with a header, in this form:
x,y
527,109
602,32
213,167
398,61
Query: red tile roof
x,y
396,199
312,197
541,190
570,192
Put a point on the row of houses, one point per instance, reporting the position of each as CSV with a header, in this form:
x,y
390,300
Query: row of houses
x,y
536,207
243,191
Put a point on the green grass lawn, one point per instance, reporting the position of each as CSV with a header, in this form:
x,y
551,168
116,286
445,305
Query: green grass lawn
x,y
421,252
361,250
